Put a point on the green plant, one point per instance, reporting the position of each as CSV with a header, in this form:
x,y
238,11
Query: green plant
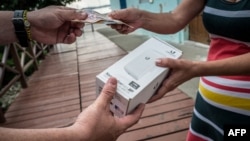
x,y
31,5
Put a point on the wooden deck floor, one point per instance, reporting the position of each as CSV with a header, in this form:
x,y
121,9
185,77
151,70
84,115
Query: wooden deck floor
x,y
65,84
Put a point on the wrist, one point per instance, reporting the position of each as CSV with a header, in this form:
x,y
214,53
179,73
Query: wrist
x,y
22,27
198,69
32,20
80,132
27,25
144,19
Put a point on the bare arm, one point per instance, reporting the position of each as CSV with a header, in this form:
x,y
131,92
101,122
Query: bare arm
x,y
174,21
238,65
7,32
57,134
158,22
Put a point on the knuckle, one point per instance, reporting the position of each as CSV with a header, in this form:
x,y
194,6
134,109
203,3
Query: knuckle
x,y
109,92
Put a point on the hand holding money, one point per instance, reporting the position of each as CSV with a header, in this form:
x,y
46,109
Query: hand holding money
x,y
95,17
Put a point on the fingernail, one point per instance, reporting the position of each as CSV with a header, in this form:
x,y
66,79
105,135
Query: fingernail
x,y
112,81
158,61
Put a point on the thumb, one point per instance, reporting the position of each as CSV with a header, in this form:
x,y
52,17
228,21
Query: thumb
x,y
107,93
166,62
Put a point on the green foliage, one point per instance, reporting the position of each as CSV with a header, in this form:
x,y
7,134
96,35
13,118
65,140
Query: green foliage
x,y
31,4
9,96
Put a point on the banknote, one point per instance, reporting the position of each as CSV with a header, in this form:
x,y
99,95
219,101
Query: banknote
x,y
96,17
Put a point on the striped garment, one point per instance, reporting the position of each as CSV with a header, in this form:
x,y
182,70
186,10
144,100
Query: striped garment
x,y
223,100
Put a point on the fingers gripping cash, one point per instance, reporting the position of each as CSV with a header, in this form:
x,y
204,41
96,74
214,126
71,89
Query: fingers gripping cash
x,y
96,17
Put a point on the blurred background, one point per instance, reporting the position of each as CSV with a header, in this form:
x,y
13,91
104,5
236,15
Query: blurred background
x,y
102,5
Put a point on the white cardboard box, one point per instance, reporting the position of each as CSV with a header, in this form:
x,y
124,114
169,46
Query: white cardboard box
x,y
138,76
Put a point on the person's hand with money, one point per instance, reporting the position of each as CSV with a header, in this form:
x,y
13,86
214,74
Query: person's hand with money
x,y
96,17
130,16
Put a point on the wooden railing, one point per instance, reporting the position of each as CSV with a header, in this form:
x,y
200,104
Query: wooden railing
x,y
22,59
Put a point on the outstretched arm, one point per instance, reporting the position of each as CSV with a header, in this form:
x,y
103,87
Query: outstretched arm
x,y
163,23
49,25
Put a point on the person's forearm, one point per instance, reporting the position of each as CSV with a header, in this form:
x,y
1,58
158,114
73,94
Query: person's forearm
x,y
238,65
172,22
7,31
56,134
160,23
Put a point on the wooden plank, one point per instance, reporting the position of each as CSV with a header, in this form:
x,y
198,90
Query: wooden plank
x,y
156,130
42,108
96,48
49,85
167,107
97,66
178,136
163,117
168,99
48,93
100,55
48,121
44,113
62,48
